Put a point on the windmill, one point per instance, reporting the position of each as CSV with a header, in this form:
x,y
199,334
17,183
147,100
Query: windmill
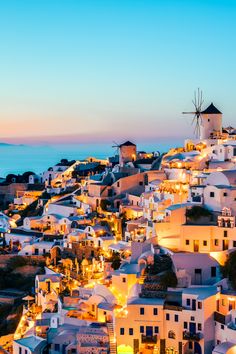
x,y
116,146
197,102
117,152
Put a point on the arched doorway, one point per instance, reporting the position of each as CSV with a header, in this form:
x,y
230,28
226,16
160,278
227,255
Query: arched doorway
x,y
192,347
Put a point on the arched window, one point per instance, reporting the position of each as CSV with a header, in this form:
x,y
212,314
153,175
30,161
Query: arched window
x,y
171,334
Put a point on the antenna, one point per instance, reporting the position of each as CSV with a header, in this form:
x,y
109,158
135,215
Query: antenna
x,y
197,102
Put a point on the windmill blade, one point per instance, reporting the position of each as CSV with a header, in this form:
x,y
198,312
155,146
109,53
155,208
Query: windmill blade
x,y
194,103
198,97
188,112
194,118
195,97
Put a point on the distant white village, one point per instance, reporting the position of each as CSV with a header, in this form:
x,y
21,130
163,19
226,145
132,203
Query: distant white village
x,y
137,252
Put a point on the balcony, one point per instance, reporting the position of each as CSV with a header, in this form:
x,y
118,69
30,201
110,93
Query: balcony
x,y
173,307
149,339
192,336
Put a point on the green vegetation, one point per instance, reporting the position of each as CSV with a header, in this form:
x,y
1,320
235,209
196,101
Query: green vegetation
x,y
229,269
105,204
10,317
168,279
20,281
160,264
197,212
115,261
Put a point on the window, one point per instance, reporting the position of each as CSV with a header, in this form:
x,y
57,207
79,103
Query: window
x,y
205,243
141,310
188,302
199,326
124,280
20,350
190,345
156,329
213,272
131,331
141,183
118,184
216,242
171,334
122,331
141,329
225,194
186,242
223,302
192,318
167,317
234,243
155,311
26,351
199,305
176,318
212,194
222,327
185,325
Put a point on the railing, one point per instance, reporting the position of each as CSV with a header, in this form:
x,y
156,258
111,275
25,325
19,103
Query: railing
x,y
173,307
192,336
149,339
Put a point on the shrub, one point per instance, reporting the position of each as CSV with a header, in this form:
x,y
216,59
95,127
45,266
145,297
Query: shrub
x,y
197,212
169,279
15,262
229,269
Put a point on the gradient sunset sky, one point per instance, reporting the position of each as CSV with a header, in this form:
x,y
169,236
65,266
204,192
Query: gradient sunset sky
x,y
103,70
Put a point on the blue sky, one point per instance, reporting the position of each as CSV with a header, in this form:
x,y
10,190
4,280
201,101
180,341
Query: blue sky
x,y
100,70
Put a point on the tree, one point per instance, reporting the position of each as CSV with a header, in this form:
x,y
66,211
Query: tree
x,y
115,261
15,262
104,204
197,212
229,269
169,279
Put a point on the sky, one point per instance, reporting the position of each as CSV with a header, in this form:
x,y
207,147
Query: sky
x,y
102,70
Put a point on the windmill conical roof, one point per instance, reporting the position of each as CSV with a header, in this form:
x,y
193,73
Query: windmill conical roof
x,y
127,143
211,110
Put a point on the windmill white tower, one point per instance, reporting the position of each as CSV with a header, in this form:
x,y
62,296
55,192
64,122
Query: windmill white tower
x,y
211,122
208,123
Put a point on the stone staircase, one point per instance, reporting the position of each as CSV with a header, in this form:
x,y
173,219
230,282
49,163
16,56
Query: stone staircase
x,y
112,338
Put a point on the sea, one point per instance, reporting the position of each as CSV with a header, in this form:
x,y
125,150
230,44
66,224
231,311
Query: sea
x,y
18,159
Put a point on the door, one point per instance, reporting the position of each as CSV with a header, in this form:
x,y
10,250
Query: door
x,y
149,331
196,246
198,276
225,245
192,327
